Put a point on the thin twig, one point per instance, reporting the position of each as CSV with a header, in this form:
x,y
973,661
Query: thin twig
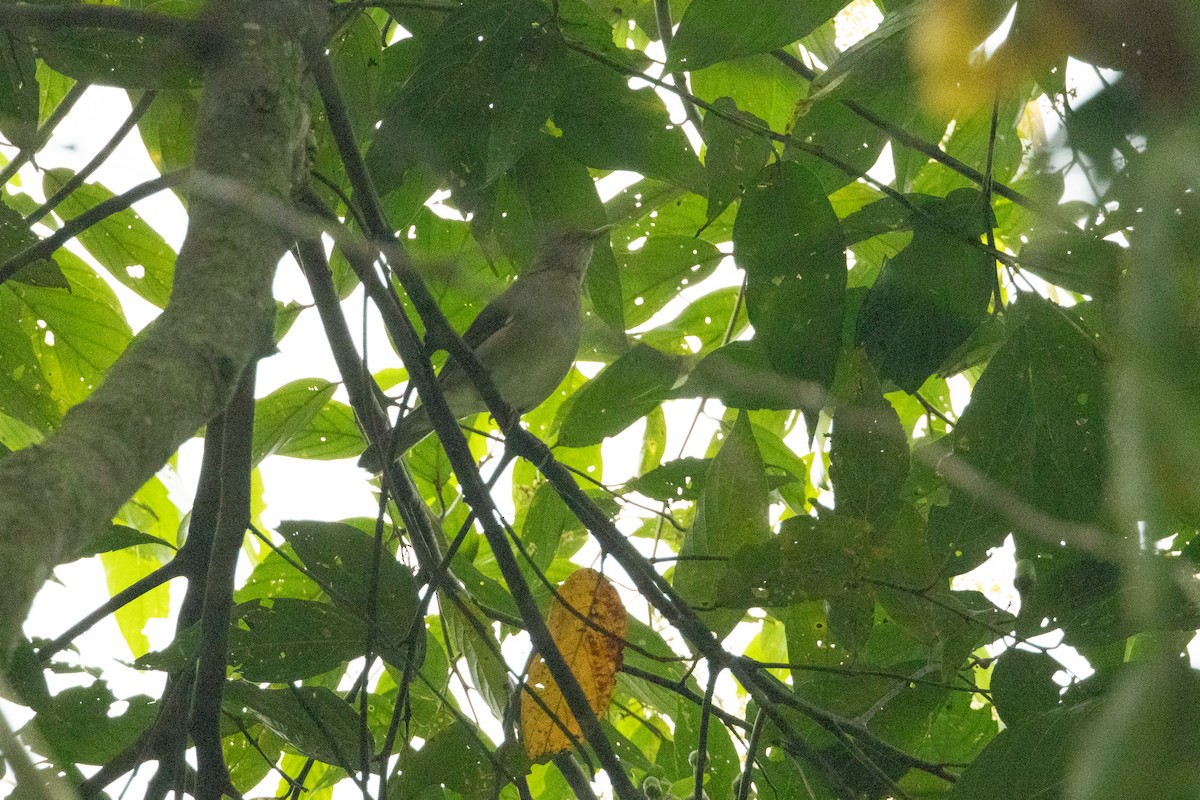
x,y
72,228
76,180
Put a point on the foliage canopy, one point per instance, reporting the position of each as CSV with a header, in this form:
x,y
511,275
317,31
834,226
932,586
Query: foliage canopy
x,y
964,310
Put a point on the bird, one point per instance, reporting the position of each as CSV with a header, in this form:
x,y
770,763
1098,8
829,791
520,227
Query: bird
x,y
527,337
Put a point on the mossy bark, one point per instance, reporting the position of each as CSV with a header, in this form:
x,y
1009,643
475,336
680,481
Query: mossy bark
x,y
182,369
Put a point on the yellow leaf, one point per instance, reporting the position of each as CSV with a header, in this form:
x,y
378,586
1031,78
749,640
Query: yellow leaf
x,y
587,623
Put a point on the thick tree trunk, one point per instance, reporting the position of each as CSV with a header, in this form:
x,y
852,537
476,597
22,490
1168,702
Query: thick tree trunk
x,y
182,369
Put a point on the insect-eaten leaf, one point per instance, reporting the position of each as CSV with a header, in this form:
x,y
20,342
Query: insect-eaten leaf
x,y
588,624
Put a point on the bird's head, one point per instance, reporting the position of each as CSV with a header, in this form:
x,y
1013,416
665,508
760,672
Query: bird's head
x,y
569,251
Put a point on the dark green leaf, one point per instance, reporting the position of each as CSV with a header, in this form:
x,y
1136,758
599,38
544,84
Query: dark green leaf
x,y
525,100
740,376
810,559
606,125
1028,760
718,30
18,91
118,537
77,726
132,252
456,759
287,640
1036,424
930,297
761,85
441,114
621,394
868,457
342,560
1075,261
16,236
112,57
659,270
312,719
1144,738
682,479
1023,685
733,154
731,514
788,240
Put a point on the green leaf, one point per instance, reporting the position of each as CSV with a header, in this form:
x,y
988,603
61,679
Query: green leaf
x,y
76,334
761,85
659,270
168,128
1075,261
355,54
789,242
525,100
118,537
621,394
1037,424
78,726
285,640
342,560
18,92
111,57
606,125
733,154
276,577
929,298
1144,738
718,30
249,760
700,328
456,759
333,433
868,457
682,479
442,113
312,719
23,395
287,412
1028,760
1023,685
285,317
741,376
132,252
731,514
810,559
559,193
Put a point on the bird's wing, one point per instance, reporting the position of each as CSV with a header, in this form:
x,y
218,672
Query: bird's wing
x,y
492,319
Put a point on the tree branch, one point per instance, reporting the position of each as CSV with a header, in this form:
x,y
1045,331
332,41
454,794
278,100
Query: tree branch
x,y
93,16
179,372
76,225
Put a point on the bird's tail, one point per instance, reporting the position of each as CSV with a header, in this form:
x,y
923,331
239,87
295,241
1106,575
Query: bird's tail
x,y
410,430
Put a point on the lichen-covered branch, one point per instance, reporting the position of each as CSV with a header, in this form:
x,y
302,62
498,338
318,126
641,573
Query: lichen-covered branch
x,y
182,369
